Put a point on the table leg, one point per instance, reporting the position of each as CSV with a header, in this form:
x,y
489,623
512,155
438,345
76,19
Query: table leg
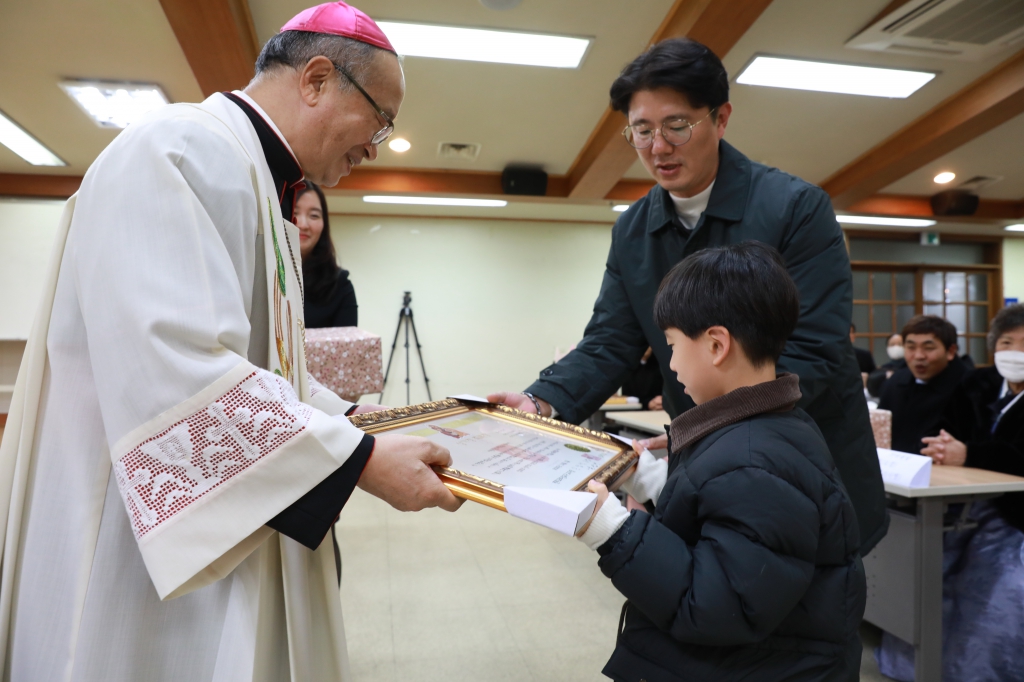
x,y
928,650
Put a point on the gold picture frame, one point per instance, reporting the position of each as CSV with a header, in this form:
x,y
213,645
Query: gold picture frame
x,y
485,490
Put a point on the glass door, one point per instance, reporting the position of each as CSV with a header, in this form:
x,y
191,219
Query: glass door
x,y
885,297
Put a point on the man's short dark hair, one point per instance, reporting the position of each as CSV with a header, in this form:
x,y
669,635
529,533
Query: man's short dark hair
x,y
296,48
680,64
942,329
744,288
1006,320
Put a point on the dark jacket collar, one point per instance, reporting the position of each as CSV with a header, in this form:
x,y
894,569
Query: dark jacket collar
x,y
728,199
944,380
284,167
772,396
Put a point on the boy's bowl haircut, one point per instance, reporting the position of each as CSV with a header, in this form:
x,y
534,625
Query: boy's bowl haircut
x,y
743,287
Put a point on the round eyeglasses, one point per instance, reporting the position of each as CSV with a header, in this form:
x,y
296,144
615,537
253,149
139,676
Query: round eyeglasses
x,y
389,125
675,131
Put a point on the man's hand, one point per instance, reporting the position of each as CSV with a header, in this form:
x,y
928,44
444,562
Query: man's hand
x,y
602,495
944,449
655,404
518,401
369,407
399,472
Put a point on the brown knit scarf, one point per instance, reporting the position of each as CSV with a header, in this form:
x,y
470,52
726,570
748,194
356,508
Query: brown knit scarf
x,y
780,395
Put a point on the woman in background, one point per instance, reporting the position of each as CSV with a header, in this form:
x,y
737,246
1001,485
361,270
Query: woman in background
x,y
877,378
330,297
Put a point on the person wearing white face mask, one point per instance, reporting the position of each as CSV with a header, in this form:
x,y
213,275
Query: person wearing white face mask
x,y
983,428
877,378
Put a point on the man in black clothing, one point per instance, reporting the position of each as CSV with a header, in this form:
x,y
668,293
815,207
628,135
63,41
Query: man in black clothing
x,y
865,360
645,382
917,394
708,194
983,424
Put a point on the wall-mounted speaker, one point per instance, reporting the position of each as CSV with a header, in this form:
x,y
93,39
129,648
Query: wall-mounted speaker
x,y
525,181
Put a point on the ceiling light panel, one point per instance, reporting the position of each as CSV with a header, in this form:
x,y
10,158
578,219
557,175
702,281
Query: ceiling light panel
x,y
434,201
890,222
1015,228
115,105
15,138
944,177
847,79
485,45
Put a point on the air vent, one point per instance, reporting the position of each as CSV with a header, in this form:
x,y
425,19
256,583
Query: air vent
x,y
977,22
978,182
462,151
967,30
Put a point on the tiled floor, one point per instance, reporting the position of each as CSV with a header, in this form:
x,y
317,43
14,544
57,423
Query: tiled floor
x,y
475,595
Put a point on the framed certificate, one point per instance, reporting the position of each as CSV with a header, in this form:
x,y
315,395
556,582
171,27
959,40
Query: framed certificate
x,y
494,446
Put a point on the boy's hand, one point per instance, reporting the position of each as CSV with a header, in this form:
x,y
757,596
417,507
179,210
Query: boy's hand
x,y
656,443
602,494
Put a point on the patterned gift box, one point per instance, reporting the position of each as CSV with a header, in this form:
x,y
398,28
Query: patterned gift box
x,y
881,424
346,360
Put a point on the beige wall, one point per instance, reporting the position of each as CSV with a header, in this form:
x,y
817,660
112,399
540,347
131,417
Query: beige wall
x,y
492,299
26,236
27,229
1013,268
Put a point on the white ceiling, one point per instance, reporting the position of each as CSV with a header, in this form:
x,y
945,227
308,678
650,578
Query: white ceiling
x,y
45,41
813,134
518,114
997,153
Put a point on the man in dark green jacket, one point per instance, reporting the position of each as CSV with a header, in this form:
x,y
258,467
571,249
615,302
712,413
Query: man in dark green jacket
x,y
709,194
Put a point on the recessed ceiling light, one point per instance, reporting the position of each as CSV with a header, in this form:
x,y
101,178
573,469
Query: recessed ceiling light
x,y
619,208
24,145
1019,227
848,79
484,45
435,201
399,144
891,222
115,105
943,178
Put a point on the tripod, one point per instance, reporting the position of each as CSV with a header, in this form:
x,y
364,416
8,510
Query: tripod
x,y
405,318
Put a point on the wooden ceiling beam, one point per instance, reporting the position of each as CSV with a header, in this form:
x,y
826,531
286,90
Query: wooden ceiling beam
x,y
218,39
38,186
432,181
606,157
993,99
914,206
390,180
436,181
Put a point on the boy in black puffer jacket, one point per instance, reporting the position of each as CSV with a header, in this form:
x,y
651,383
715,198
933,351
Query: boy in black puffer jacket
x,y
748,569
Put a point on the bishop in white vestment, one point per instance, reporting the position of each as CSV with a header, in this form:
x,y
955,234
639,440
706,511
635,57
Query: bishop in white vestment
x,y
170,470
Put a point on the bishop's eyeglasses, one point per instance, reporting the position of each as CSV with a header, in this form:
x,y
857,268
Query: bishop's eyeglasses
x,y
675,131
389,127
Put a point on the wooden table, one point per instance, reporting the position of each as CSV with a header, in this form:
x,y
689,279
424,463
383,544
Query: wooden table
x,y
596,421
645,422
904,571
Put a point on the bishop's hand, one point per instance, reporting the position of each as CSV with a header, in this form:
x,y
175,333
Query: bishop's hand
x,y
400,472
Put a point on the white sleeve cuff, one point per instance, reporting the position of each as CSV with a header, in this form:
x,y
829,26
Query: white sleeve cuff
x,y
648,480
609,518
